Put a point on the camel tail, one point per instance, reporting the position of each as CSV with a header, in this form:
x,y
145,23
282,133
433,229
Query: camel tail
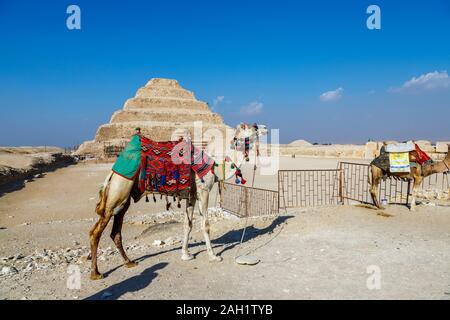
x,y
369,181
102,195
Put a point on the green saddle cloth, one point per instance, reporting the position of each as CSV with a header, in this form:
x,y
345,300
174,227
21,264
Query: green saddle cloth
x,y
129,160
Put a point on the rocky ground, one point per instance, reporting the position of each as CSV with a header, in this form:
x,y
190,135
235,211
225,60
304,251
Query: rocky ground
x,y
19,164
314,253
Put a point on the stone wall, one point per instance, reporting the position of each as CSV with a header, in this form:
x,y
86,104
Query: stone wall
x,y
368,151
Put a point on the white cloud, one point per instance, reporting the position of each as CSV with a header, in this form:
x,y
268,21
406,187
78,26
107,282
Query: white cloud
x,y
253,108
429,81
217,101
333,95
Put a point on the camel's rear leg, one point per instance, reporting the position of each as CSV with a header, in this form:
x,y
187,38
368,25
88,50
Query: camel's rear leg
x,y
95,235
377,175
116,234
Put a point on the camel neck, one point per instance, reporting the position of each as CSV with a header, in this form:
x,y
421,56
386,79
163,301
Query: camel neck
x,y
441,166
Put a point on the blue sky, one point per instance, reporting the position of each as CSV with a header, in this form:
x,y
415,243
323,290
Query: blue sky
x,y
312,69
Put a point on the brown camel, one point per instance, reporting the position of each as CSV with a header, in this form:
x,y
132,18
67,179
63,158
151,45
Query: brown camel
x,y
416,176
115,198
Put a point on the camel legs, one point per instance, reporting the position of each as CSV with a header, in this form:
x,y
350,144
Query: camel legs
x,y
417,181
94,235
203,196
116,234
185,255
377,175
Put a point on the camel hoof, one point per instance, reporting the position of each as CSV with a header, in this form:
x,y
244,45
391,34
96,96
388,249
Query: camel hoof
x,y
96,276
187,257
131,264
215,259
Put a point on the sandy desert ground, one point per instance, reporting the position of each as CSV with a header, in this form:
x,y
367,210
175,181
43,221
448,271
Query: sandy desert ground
x,y
309,253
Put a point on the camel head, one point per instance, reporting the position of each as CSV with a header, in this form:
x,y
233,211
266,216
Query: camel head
x,y
447,157
244,130
246,137
181,133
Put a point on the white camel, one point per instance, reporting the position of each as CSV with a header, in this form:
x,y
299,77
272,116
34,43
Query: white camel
x,y
115,198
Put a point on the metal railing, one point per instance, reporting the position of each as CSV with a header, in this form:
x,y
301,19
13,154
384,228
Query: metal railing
x,y
310,188
245,201
113,150
306,188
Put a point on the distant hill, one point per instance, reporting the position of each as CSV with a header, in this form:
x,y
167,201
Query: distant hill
x,y
300,143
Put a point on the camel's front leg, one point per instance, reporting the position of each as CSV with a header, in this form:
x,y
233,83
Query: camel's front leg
x,y
203,197
376,179
185,255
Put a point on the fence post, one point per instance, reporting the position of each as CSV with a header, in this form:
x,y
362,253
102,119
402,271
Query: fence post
x,y
341,184
246,201
407,192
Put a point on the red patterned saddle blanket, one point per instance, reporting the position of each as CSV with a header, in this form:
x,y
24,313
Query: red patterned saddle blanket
x,y
166,166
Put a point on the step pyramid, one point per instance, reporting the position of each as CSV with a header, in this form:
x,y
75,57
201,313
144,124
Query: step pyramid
x,y
159,108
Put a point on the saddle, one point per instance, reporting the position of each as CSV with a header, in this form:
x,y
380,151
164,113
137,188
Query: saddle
x,y
416,157
167,167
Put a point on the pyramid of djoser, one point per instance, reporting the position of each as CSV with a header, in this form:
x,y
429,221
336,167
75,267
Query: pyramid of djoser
x,y
158,108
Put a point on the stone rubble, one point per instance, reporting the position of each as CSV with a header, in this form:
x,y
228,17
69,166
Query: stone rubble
x,y
48,259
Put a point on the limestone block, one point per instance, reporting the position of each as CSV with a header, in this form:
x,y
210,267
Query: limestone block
x,y
442,146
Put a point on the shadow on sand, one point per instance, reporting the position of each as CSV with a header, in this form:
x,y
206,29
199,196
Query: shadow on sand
x,y
132,284
234,236
228,240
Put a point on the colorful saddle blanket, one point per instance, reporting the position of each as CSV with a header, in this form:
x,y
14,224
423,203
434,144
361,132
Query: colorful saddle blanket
x,y
160,173
129,160
163,167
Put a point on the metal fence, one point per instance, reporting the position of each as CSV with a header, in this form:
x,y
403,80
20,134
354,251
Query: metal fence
x,y
306,188
244,201
310,188
354,185
395,191
440,181
113,150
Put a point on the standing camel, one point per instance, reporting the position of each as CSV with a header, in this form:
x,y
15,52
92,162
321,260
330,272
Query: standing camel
x,y
416,175
115,197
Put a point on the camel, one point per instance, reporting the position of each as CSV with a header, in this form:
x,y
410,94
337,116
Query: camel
x,y
416,175
115,198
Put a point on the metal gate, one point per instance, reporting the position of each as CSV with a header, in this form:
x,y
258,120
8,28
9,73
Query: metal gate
x,y
354,185
244,201
307,188
310,188
111,150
